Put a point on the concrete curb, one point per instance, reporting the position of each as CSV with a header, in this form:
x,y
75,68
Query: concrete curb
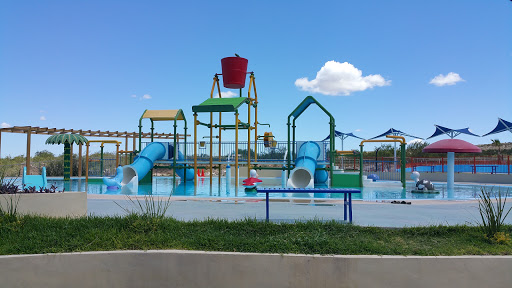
x,y
176,268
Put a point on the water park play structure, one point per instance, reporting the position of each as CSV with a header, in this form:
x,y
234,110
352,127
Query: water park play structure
x,y
303,164
307,167
155,151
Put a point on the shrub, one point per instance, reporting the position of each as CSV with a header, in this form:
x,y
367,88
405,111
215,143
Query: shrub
x,y
492,213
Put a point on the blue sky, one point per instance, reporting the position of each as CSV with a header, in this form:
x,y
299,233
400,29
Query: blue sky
x,y
78,64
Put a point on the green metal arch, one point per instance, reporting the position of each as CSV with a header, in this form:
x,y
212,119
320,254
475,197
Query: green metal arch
x,y
296,113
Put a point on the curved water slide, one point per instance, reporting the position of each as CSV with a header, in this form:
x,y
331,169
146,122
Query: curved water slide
x,y
185,174
303,175
143,163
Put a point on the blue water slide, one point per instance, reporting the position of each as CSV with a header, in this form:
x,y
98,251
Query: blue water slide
x,y
321,176
114,182
303,175
37,181
185,174
143,162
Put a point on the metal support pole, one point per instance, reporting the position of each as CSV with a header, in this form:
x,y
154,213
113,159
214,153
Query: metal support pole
x,y
175,154
220,147
27,158
450,171
101,160
293,139
126,149
255,119
216,80
360,166
402,167
289,148
152,131
249,139
195,149
87,162
236,153
80,160
211,148
134,143
117,154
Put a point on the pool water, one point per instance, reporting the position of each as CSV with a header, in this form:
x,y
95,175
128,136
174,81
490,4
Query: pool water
x,y
163,186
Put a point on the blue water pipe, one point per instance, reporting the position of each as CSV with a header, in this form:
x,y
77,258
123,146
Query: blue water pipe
x,y
143,162
114,182
185,174
303,175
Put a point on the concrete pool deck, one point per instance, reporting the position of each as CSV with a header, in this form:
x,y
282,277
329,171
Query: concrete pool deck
x,y
380,214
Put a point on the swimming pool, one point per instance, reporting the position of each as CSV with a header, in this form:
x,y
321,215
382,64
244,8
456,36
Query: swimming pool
x,y
162,186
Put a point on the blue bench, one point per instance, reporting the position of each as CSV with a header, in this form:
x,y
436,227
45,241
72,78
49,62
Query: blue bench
x,y
493,168
347,199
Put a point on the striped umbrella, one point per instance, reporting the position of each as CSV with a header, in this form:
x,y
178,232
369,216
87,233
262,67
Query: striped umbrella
x,y
67,140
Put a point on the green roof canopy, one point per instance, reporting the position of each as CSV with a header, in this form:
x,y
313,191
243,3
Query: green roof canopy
x,y
63,138
220,104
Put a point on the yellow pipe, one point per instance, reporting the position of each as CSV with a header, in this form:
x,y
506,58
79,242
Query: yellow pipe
x,y
220,134
397,137
344,152
213,87
211,133
367,141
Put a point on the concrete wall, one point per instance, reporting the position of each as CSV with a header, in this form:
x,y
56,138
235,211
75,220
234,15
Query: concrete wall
x,y
72,204
170,268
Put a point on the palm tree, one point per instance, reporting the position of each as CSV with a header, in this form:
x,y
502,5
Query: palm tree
x,y
67,140
497,143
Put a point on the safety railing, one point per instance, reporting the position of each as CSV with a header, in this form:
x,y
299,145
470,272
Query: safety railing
x,y
102,168
494,165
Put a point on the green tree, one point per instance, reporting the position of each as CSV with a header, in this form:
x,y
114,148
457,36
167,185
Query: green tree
x,y
415,149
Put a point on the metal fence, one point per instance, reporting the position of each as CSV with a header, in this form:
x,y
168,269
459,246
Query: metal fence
x,y
102,168
275,152
267,150
493,165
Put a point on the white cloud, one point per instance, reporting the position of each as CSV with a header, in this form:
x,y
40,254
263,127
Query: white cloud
x,y
42,111
415,141
336,79
226,94
450,79
357,130
146,96
133,96
5,125
42,118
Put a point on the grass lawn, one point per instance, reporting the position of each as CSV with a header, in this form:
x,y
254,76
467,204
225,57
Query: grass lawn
x,y
34,235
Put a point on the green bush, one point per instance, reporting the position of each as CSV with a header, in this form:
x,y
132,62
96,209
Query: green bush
x,y
492,213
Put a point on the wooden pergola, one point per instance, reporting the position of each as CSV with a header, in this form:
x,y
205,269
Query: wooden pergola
x,y
29,130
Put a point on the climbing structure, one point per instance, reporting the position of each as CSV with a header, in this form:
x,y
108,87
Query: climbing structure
x,y
234,71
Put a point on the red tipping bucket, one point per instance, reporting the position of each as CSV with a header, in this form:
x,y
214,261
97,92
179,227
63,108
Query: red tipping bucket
x,y
234,70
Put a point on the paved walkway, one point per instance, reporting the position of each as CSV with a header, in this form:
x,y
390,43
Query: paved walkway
x,y
383,214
